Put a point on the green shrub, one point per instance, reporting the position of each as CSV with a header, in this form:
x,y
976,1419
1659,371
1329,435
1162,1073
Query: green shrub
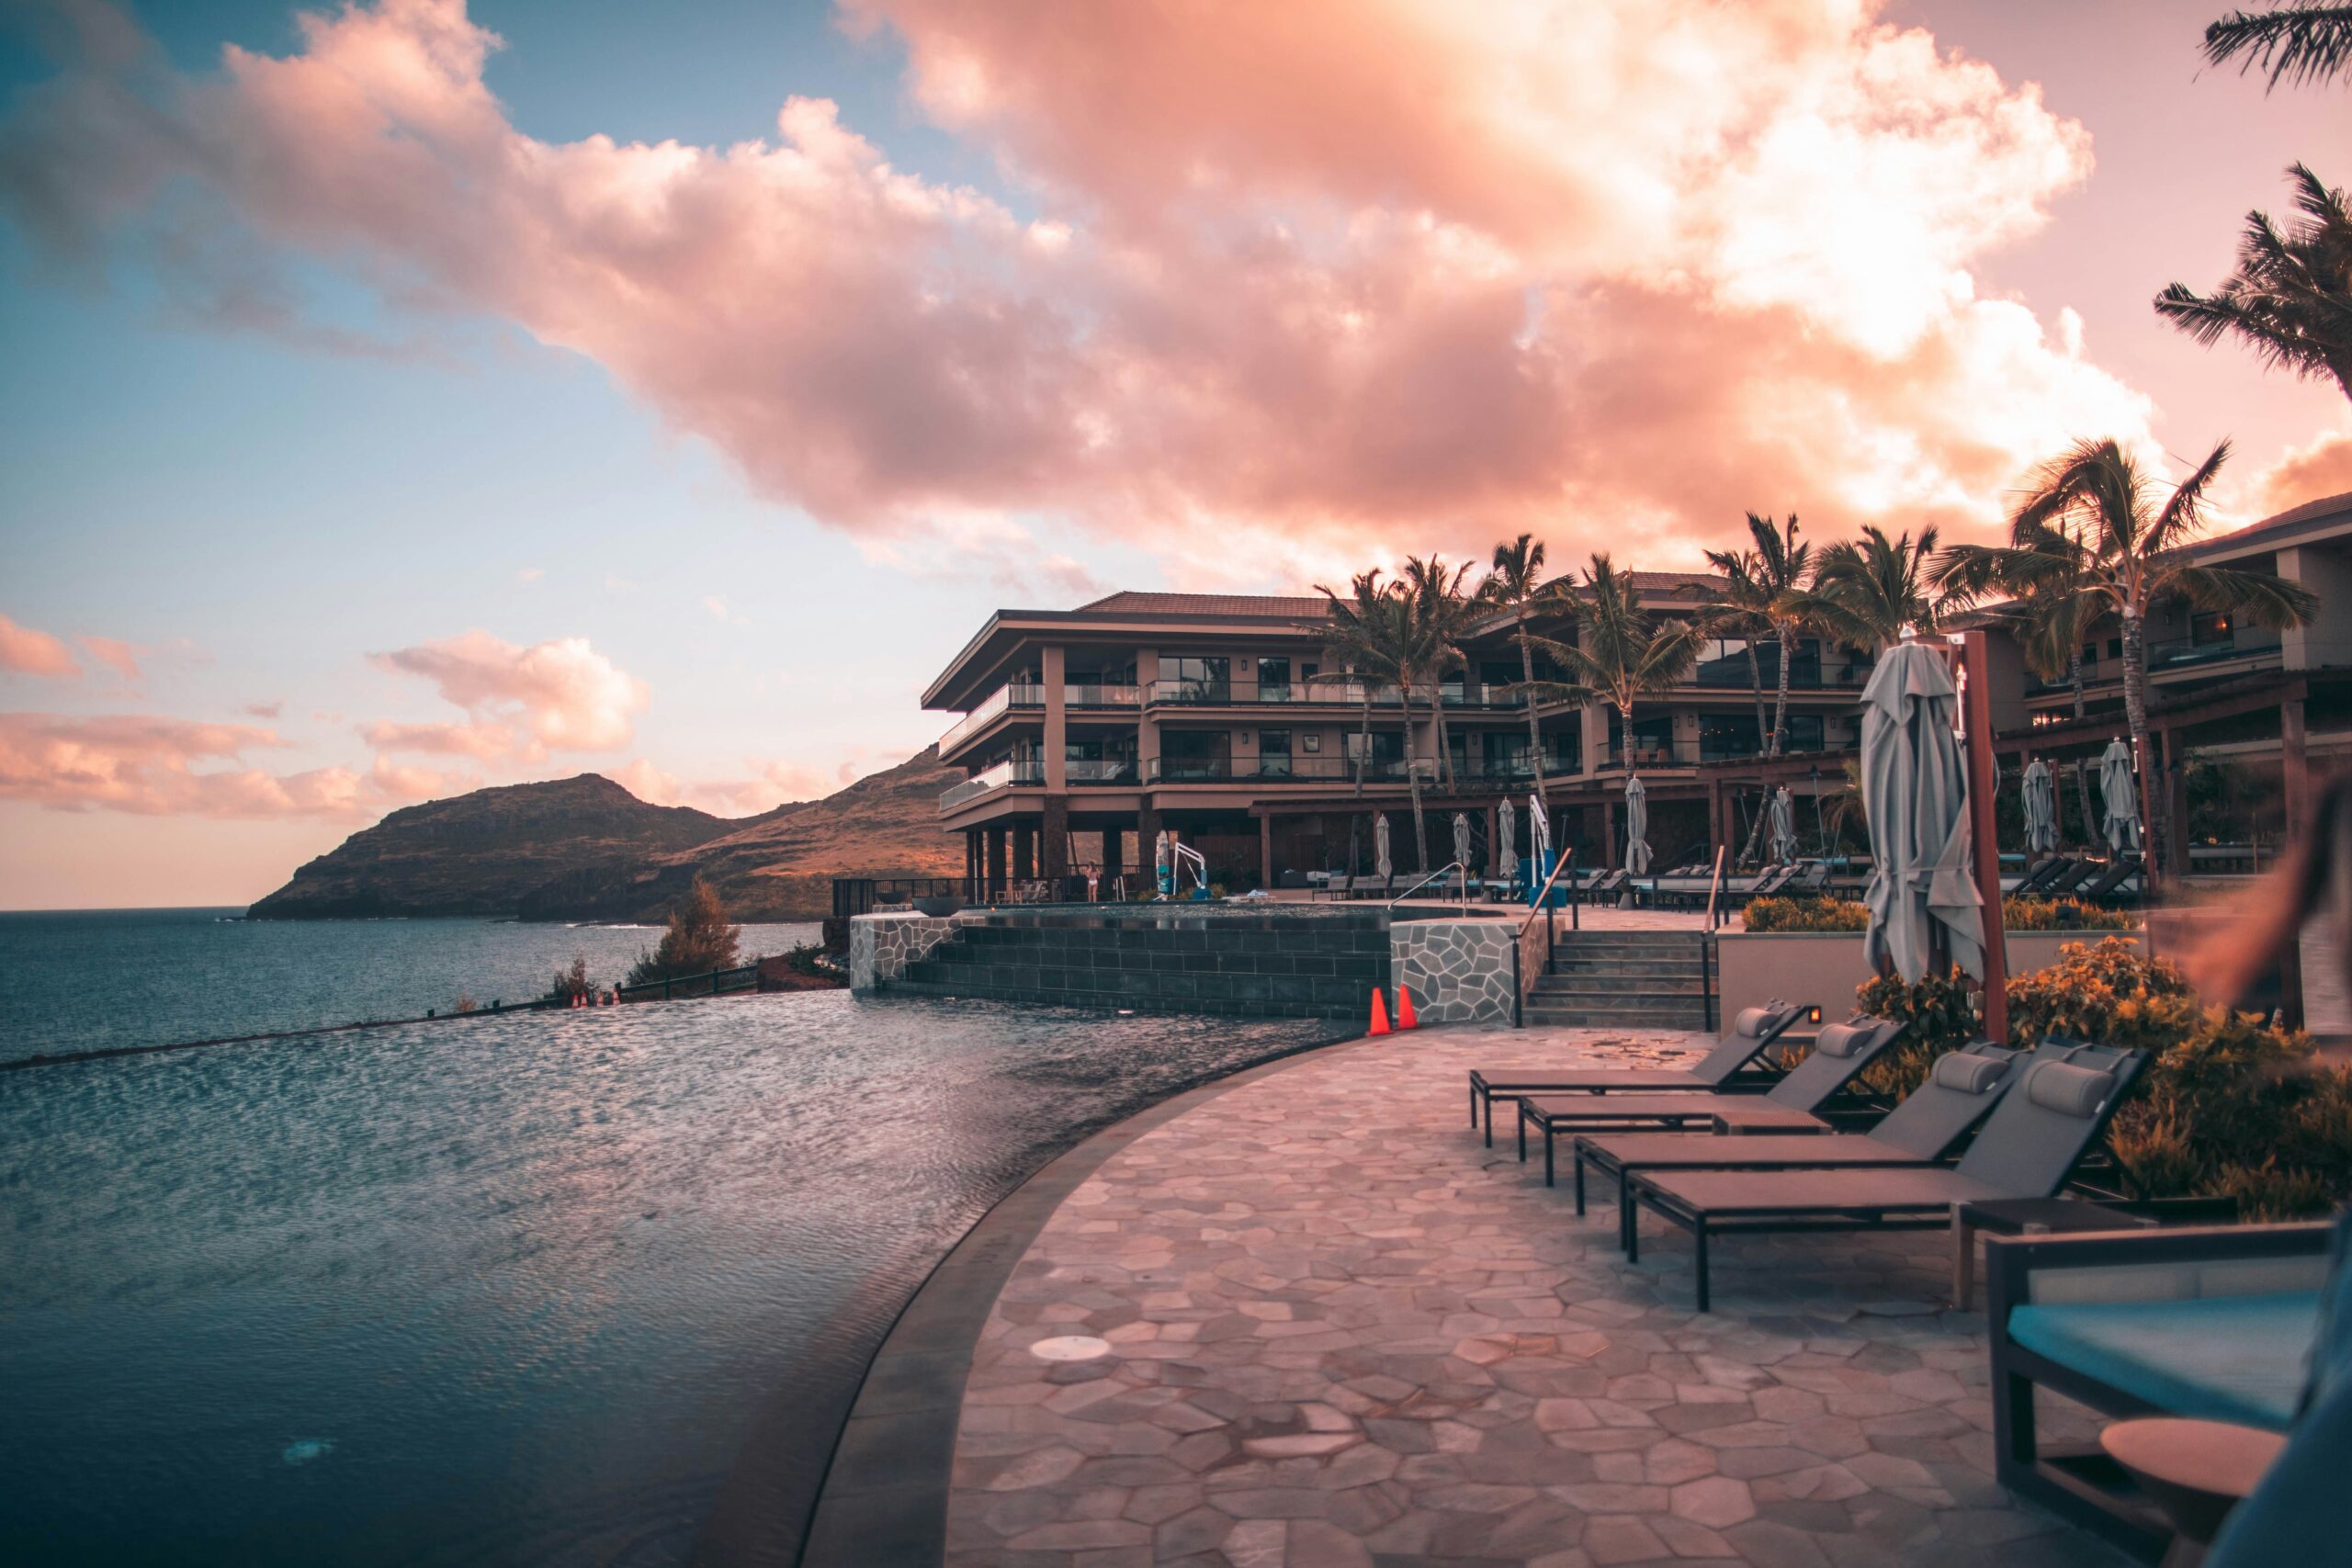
x,y
573,983
2229,1106
2063,914
1804,915
1938,1014
699,940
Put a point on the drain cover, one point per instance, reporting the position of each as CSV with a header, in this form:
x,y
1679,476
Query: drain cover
x,y
1070,1347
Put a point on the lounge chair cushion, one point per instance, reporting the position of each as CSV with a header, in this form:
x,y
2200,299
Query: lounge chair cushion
x,y
1753,1021
1969,1073
2238,1358
1842,1039
2069,1091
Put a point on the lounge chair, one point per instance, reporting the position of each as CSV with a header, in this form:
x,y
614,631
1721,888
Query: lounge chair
x,y
2030,1146
2108,883
1812,880
1839,1052
1731,1066
1932,1119
2069,877
2216,1324
2040,872
1774,879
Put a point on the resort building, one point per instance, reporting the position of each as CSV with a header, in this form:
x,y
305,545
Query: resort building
x,y
1230,720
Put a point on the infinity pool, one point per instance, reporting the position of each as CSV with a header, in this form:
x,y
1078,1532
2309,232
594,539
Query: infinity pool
x,y
540,1288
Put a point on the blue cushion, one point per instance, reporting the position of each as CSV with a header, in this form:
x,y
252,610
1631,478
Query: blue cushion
x,y
2239,1358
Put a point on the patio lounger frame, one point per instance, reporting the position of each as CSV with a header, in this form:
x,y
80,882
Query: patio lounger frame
x,y
2039,873
1726,1069
2066,881
2108,883
1921,1131
1817,1200
2076,1483
1789,1107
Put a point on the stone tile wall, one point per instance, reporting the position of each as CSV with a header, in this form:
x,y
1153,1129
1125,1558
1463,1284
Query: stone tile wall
x,y
1459,970
881,946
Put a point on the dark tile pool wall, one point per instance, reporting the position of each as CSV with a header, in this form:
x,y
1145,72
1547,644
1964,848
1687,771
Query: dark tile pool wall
x,y
1258,966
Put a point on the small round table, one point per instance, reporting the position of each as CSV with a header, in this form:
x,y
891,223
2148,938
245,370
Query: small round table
x,y
2196,1471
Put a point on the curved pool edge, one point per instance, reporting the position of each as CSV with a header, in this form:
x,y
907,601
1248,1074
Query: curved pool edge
x,y
883,1503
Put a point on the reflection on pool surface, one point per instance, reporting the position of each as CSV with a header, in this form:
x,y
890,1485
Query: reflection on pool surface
x,y
514,1290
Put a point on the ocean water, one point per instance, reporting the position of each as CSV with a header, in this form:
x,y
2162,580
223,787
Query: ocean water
x,y
557,1288
84,980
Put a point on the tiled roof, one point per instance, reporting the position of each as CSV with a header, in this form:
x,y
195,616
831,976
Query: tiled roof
x,y
1252,604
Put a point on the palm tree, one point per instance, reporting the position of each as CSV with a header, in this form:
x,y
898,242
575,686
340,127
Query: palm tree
x,y
2137,556
2298,43
1785,568
1515,585
1738,605
2046,608
2290,298
1353,632
1866,591
1442,615
1622,655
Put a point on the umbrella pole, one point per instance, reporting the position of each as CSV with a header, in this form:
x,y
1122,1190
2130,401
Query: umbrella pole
x,y
1987,850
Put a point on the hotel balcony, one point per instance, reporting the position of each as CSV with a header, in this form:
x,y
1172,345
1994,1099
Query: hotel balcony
x,y
1077,696
1004,775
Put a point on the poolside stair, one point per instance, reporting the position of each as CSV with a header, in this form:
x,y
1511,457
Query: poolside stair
x,y
1240,965
1629,980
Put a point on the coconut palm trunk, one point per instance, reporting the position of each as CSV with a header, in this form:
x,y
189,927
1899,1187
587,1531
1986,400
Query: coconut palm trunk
x,y
1534,720
1413,786
1755,683
2135,714
1779,740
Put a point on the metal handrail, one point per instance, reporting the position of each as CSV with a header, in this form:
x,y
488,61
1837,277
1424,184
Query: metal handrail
x,y
1716,886
1544,894
1451,865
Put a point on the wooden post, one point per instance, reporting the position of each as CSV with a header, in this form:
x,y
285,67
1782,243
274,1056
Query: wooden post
x,y
2295,781
1266,851
1979,720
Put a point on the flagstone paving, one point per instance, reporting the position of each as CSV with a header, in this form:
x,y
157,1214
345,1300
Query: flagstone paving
x,y
1315,1322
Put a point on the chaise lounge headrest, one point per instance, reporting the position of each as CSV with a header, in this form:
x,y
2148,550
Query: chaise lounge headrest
x,y
1845,1039
1968,1073
1753,1021
2069,1091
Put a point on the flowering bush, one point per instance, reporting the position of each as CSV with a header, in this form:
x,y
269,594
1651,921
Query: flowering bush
x,y
1804,915
2229,1106
2063,914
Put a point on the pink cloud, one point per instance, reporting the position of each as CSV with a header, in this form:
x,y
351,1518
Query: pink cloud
x,y
2322,468
562,696
25,651
771,784
1337,278
148,765
114,653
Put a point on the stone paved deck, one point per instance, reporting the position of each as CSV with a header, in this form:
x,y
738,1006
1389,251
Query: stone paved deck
x,y
1322,1324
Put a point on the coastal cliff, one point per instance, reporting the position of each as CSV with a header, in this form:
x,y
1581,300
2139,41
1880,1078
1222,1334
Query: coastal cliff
x,y
585,848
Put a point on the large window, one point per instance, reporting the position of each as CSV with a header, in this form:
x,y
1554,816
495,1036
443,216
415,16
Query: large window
x,y
1273,753
1273,680
1193,670
1652,732
1195,754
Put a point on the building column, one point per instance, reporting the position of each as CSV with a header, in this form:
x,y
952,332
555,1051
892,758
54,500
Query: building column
x,y
1147,840
996,880
1056,726
2295,779
1609,835
2175,804
1266,852
1024,851
1112,865
972,864
1053,849
1147,734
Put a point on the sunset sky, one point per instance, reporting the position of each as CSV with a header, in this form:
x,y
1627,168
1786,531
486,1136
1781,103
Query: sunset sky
x,y
412,395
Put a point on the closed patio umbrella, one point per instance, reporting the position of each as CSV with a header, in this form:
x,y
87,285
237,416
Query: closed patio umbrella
x,y
1784,826
1462,846
1162,863
1637,826
2040,809
1382,867
2115,782
1506,855
1914,794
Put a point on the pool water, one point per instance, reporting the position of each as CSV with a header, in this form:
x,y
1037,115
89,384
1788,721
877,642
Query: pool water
x,y
517,1289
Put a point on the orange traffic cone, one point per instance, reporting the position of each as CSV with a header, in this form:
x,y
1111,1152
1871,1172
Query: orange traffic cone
x,y
1404,1019
1379,1014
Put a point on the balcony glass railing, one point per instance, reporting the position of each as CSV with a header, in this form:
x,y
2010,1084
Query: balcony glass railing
x,y
1268,770
1227,693
1005,774
1018,695
1098,695
1100,770
2180,652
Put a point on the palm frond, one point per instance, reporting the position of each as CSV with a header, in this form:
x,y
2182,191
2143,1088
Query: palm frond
x,y
2296,44
2266,600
